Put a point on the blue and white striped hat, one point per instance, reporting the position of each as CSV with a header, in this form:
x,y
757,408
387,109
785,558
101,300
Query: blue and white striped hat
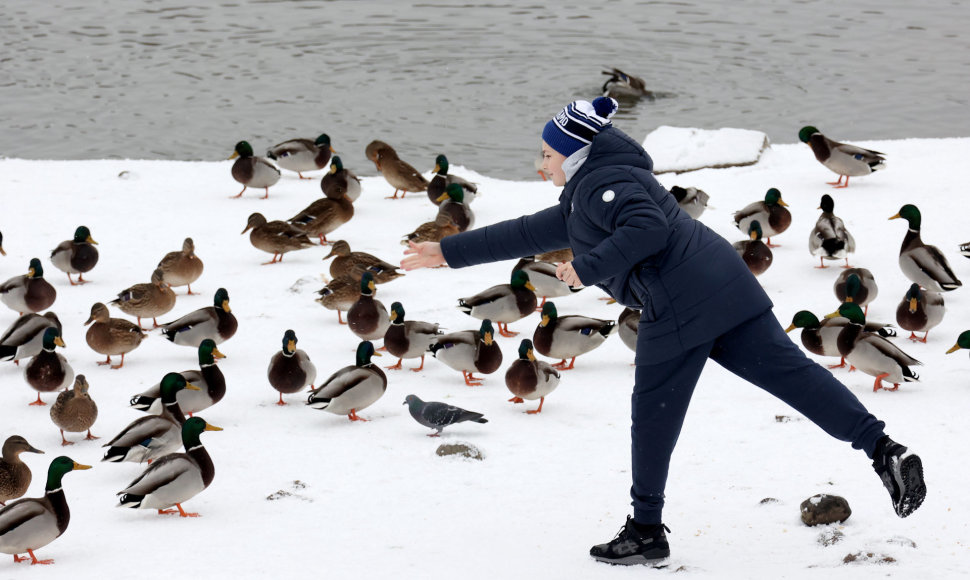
x,y
576,125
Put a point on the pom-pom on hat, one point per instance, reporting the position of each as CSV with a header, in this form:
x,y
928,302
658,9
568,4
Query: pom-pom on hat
x,y
576,125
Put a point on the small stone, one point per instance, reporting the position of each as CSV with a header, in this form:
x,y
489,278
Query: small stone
x,y
124,174
782,418
824,509
768,500
830,537
872,557
460,449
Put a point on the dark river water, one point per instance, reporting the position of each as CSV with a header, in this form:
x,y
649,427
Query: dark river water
x,y
159,79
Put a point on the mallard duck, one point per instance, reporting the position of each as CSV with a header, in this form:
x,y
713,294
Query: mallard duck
x,y
542,276
373,148
556,256
871,353
470,351
920,310
182,268
49,371
628,325
756,254
770,213
623,86
441,180
252,171
216,322
856,285
340,182
29,292
529,378
111,336
565,337
147,300
354,264
301,155
437,416
503,303
352,388
821,336
368,318
923,263
690,199
963,341
151,437
14,474
399,174
323,217
409,338
453,203
275,237
174,478
829,240
340,294
74,410
209,379
841,158
435,231
25,336
290,369
2,251
31,523
76,256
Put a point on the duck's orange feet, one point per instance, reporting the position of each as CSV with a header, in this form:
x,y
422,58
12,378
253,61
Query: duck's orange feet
x,y
353,416
33,559
105,362
38,402
516,400
396,367
181,512
420,368
841,365
561,365
121,364
238,194
539,410
90,436
878,383
471,381
503,329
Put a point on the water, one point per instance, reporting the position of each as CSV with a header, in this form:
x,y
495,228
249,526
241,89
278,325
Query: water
x,y
159,79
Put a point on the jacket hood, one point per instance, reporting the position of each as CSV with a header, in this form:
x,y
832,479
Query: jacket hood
x,y
611,147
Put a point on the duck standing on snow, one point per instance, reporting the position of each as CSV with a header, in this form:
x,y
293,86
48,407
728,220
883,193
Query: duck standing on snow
x,y
565,337
871,353
275,237
209,379
628,324
49,371
354,264
15,476
368,317
503,303
147,300
770,213
821,336
453,203
841,158
339,294
111,336
441,181
856,285
829,240
408,338
530,378
470,351
216,322
340,182
442,227
323,216
756,254
75,411
76,256
352,388
25,337
252,171
373,149
29,292
290,369
920,310
299,155
690,199
542,276
182,268
400,175
922,263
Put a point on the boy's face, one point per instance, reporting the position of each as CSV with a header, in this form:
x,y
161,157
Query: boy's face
x,y
552,165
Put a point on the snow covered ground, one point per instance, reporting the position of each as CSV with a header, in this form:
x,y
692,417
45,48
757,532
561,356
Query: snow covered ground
x,y
372,500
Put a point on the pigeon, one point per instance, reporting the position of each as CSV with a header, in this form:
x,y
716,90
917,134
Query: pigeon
x,y
439,415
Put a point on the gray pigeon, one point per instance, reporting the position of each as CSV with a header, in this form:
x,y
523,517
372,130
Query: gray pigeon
x,y
439,415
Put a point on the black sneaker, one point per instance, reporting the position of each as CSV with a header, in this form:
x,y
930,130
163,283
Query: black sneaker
x,y
901,472
631,546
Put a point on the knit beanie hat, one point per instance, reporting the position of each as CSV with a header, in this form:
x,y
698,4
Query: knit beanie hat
x,y
576,125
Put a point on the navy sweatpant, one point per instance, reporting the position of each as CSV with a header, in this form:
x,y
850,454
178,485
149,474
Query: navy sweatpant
x,y
760,352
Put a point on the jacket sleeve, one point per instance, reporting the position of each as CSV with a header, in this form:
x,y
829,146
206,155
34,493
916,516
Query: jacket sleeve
x,y
528,235
639,230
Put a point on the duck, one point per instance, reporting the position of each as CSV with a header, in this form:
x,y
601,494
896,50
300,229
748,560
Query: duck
x,y
770,213
372,150
153,436
542,276
821,336
216,322
470,351
74,410
174,478
628,327
871,353
756,254
963,341
399,174
623,86
340,182
691,200
323,216
339,294
182,268
352,388
556,256
569,336
301,155
409,338
368,317
503,303
453,203
147,300
209,379
354,264
441,180
856,285
29,524
29,292
49,371
24,338
433,231
841,158
829,239
919,311
275,237
76,256
111,336
290,369
15,475
2,251
252,171
529,378
922,263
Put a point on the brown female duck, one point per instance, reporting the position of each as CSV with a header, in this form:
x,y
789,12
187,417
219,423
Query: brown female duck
x,y
275,237
14,474
323,217
340,294
400,175
183,267
74,410
354,264
147,300
111,336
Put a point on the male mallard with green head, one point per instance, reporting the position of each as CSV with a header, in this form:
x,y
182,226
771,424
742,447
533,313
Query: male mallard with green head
x,y
856,285
470,351
756,254
441,180
290,369
408,338
922,263
25,336
841,158
771,213
352,388
829,240
542,276
530,378
209,379
29,292
76,256
368,317
503,303
252,171
919,311
48,371
301,155
340,182
871,353
216,322
452,202
567,337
